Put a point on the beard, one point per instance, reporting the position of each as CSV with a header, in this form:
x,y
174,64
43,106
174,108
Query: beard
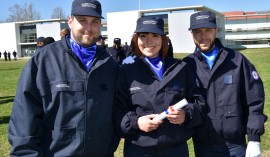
x,y
206,48
85,41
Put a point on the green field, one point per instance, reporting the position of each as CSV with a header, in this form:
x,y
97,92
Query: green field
x,y
10,71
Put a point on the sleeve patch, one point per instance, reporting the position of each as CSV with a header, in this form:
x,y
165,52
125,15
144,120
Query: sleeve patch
x,y
255,75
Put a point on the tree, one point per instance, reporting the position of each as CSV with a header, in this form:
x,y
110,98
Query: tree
x,y
23,13
58,13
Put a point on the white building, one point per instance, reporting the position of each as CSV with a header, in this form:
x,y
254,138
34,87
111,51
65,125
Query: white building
x,y
247,29
177,20
21,36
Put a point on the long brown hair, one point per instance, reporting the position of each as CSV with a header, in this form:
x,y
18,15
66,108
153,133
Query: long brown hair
x,y
136,51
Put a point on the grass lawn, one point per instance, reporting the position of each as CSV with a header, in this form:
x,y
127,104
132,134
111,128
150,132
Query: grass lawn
x,y
9,74
10,71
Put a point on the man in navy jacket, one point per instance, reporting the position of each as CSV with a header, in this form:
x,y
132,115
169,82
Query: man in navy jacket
x,y
234,93
64,100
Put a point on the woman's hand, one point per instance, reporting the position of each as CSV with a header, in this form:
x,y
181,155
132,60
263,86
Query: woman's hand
x,y
146,123
176,117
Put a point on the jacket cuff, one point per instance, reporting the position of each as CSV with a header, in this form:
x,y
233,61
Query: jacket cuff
x,y
134,122
254,138
188,115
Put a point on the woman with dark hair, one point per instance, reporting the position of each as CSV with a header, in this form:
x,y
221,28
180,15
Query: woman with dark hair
x,y
155,82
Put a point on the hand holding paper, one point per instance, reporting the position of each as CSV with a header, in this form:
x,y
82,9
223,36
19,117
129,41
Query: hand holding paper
x,y
177,106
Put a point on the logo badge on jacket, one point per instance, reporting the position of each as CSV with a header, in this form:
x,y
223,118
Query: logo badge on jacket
x,y
134,88
228,79
63,85
255,75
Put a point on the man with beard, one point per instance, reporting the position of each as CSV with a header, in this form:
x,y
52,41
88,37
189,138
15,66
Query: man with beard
x,y
234,93
65,94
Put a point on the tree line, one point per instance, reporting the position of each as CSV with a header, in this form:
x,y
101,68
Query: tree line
x,y
27,12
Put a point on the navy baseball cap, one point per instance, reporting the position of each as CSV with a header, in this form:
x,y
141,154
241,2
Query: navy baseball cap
x,y
203,19
40,39
86,8
101,37
117,40
150,24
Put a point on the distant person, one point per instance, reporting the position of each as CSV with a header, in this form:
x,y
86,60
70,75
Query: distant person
x,y
9,56
101,41
0,54
5,55
48,40
14,53
64,99
127,49
116,51
64,31
40,43
234,92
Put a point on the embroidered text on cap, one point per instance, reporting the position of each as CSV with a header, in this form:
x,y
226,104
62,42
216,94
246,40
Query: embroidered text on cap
x,y
150,22
202,17
90,5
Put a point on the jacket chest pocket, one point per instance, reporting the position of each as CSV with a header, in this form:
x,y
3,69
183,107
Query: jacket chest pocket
x,y
143,97
232,121
174,93
229,79
61,99
228,89
143,101
50,88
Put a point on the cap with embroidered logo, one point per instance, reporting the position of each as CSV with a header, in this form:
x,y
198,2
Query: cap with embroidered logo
x,y
150,24
40,39
203,19
86,8
117,41
101,37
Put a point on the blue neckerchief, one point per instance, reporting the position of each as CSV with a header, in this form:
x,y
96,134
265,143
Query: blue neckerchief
x,y
156,64
85,54
210,56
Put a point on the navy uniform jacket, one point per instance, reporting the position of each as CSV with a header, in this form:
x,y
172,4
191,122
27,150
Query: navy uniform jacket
x,y
60,109
235,97
149,95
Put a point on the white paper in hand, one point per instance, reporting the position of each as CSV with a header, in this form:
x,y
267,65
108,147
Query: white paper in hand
x,y
177,106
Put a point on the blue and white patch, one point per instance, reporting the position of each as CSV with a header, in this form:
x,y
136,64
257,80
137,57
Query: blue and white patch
x,y
129,60
228,79
255,75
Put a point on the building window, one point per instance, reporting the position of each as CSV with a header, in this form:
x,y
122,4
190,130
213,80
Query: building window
x,y
28,34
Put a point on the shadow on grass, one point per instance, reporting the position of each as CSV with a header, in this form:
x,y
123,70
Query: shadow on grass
x,y
10,69
6,99
4,119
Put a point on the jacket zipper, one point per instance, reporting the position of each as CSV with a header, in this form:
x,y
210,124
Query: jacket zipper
x,y
86,77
